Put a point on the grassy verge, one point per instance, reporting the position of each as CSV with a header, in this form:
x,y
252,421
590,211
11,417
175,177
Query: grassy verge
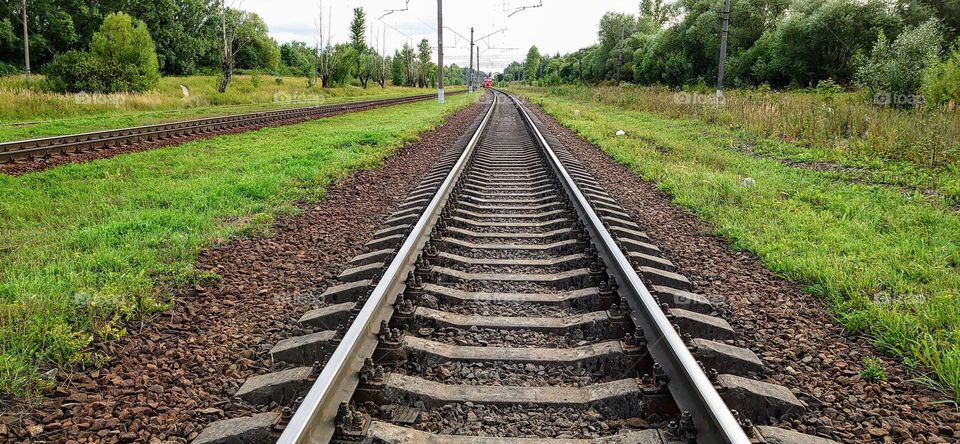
x,y
837,132
888,261
86,245
28,113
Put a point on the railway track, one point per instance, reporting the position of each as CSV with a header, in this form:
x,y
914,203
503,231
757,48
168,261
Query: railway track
x,y
25,150
510,299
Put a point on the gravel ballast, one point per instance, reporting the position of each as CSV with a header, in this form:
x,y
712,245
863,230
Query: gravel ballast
x,y
178,371
792,331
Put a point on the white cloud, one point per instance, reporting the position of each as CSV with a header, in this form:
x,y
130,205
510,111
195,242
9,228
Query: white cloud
x,y
557,26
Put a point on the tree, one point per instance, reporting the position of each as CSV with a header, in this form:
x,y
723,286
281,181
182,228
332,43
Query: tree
x,y
409,62
941,81
657,12
424,64
184,31
297,58
127,42
358,35
245,44
122,57
397,70
56,26
531,65
897,69
454,75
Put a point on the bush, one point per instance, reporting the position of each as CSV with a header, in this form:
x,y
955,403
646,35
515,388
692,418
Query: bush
x,y
941,82
122,58
896,70
7,69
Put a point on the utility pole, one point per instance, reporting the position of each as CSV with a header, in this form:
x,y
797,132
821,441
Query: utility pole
x,y
620,54
439,51
26,44
478,60
470,80
723,48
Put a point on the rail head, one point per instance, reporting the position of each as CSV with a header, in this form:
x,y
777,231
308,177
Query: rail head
x,y
314,420
688,384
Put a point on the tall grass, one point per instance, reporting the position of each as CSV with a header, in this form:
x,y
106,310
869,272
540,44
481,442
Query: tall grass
x,y
842,127
28,112
20,102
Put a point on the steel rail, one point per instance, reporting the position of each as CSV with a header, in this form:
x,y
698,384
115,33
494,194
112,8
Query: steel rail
x,y
314,420
689,386
32,148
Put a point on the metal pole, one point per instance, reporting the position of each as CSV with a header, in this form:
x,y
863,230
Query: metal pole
x,y
439,51
26,44
723,47
471,76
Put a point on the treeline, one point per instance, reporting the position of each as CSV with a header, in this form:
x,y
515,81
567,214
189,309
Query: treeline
x,y
896,46
140,40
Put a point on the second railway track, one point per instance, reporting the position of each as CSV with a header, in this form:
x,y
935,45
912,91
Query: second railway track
x,y
26,150
510,299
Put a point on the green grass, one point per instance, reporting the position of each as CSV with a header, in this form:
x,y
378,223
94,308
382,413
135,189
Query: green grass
x,y
29,112
910,149
888,261
873,370
86,245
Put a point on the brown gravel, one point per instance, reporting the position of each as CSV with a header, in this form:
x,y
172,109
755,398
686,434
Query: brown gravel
x,y
39,164
178,371
792,331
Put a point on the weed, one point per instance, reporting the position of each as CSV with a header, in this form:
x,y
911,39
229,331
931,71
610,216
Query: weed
x,y
873,370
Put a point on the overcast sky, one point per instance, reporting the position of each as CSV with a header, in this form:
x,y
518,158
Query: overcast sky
x,y
557,26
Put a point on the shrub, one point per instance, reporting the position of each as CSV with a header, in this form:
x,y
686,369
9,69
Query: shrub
x,y
122,58
941,82
896,70
873,370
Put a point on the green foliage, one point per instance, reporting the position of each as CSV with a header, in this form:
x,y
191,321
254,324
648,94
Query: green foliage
x,y
873,370
297,58
454,75
398,70
941,82
358,35
531,65
121,59
85,245
254,47
185,31
897,69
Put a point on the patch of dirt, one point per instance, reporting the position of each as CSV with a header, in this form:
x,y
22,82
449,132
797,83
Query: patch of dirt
x,y
790,330
178,372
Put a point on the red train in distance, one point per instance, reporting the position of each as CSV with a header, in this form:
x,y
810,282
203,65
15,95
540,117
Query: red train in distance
x,y
488,82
